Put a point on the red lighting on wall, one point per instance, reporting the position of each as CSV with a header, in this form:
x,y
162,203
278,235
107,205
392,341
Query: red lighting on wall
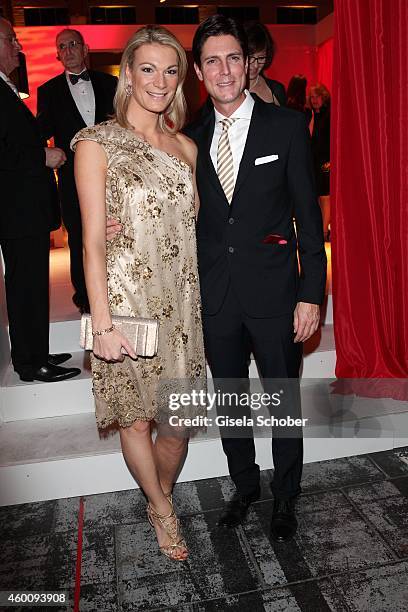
x,y
296,51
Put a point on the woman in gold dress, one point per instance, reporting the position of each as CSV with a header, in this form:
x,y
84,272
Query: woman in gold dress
x,y
139,170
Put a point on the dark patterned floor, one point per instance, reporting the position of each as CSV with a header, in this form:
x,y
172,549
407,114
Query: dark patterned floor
x,y
350,552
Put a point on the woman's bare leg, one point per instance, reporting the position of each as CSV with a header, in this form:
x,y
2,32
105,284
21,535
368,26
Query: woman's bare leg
x,y
170,451
137,448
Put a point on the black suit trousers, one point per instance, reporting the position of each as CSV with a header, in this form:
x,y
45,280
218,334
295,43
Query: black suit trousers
x,y
71,216
27,292
229,337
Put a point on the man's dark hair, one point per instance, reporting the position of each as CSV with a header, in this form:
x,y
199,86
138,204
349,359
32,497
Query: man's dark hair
x,y
259,38
218,25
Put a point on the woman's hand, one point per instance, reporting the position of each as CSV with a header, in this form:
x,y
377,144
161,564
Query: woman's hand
x,y
112,346
113,228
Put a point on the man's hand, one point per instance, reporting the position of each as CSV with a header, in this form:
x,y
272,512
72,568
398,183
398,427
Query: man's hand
x,y
113,227
305,321
54,157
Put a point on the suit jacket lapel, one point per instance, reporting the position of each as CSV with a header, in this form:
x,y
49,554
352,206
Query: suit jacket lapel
x,y
250,150
66,98
98,93
204,145
22,108
251,147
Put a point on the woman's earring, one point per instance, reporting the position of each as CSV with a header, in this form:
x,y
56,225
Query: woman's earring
x,y
128,89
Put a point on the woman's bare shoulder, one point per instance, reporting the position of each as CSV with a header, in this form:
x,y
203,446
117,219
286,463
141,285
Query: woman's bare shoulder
x,y
188,147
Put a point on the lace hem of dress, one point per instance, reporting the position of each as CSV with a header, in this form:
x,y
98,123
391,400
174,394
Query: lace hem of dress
x,y
111,417
125,413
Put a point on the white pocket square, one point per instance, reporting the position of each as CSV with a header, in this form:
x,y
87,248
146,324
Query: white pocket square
x,y
266,159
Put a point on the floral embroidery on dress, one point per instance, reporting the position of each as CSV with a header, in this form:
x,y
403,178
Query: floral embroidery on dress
x,y
151,272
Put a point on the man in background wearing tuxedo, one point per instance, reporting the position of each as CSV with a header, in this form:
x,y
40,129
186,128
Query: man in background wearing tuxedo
x,y
254,175
67,103
29,211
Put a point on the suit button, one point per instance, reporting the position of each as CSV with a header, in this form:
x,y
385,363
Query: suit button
x,y
231,221
231,249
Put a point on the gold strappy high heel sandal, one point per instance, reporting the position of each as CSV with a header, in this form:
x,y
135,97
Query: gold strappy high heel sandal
x,y
171,525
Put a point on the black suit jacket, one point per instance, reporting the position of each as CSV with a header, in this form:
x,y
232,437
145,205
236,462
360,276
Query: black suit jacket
x,y
267,196
59,117
29,203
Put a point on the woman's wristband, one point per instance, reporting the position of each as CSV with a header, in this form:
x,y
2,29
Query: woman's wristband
x,y
102,332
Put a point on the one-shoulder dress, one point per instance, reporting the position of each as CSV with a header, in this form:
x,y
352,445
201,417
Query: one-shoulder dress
x,y
151,272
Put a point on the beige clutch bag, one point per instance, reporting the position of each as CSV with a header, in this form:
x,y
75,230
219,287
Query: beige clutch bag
x,y
143,334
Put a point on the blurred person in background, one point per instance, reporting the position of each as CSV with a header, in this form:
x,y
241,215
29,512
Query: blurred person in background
x,y
296,95
29,211
319,100
74,99
261,48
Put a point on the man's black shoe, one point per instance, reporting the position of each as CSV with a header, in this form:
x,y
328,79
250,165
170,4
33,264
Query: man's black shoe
x,y
50,373
284,523
58,358
236,510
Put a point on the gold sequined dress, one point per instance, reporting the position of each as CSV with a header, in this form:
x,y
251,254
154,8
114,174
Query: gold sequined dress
x,y
151,272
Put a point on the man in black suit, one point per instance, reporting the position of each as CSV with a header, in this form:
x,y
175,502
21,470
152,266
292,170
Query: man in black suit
x,y
67,103
29,211
254,175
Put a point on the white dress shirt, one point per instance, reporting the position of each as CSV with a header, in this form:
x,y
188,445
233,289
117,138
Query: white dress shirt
x,y
9,83
84,98
237,134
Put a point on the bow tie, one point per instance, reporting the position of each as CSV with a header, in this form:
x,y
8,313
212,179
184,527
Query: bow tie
x,y
74,78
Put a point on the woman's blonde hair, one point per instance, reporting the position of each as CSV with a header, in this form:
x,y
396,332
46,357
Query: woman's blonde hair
x,y
319,90
172,120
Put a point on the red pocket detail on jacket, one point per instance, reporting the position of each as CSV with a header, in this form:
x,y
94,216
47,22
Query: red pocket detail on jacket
x,y
274,239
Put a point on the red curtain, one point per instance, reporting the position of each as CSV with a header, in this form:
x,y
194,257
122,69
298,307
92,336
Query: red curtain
x,y
370,188
325,63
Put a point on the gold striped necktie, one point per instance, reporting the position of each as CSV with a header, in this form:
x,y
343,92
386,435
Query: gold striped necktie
x,y
225,162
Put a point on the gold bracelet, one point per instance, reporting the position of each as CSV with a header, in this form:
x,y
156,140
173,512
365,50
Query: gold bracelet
x,y
102,332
